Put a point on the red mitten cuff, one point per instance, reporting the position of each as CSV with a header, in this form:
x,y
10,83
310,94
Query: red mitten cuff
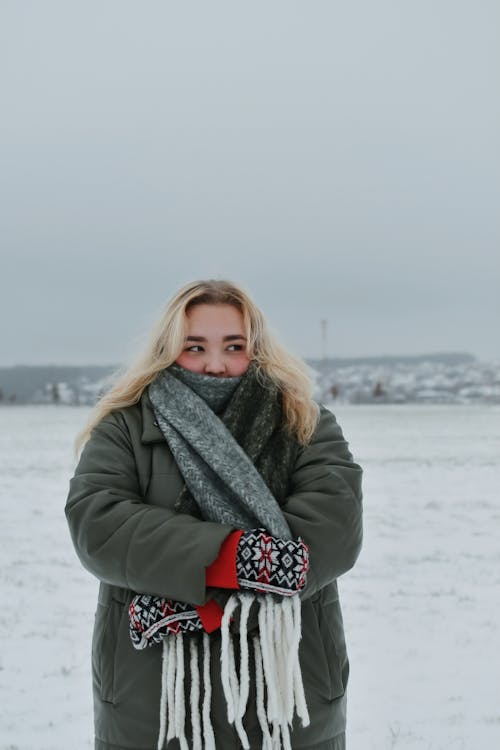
x,y
222,572
210,615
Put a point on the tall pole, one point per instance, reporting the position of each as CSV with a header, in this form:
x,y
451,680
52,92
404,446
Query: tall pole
x,y
324,336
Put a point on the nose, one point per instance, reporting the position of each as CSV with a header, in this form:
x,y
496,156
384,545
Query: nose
x,y
215,366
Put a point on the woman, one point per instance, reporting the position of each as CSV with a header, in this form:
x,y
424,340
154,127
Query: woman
x,y
217,504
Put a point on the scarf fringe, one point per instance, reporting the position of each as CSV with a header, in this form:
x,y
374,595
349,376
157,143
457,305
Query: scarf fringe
x,y
208,731
279,687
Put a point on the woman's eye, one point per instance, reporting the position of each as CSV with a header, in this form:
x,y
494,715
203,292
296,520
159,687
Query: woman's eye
x,y
195,347
235,347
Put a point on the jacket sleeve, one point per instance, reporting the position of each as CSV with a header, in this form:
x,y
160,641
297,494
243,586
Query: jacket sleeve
x,y
325,504
122,540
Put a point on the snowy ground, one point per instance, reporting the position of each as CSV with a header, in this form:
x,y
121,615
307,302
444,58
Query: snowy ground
x,y
421,607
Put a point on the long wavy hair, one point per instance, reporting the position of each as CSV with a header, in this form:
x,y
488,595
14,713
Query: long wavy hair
x,y
167,339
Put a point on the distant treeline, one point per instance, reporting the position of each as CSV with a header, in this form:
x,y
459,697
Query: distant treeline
x,y
20,383
24,383
445,358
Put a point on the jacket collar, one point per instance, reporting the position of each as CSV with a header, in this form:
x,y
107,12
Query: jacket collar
x,y
151,432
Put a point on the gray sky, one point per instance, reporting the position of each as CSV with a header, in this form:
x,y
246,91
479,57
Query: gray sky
x,y
340,160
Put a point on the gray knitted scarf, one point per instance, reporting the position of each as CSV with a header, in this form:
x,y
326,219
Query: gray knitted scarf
x,y
237,465
236,456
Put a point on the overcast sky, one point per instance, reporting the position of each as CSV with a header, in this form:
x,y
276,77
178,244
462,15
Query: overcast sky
x,y
339,160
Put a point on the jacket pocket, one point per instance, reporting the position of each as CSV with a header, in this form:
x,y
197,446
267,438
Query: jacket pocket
x,y
332,633
323,657
104,644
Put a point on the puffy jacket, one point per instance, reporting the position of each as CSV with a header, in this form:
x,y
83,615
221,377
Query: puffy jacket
x,y
120,511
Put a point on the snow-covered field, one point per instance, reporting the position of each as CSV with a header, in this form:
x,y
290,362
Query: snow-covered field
x,y
421,607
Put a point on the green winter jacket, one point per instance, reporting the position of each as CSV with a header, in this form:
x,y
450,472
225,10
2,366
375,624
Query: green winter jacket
x,y
120,511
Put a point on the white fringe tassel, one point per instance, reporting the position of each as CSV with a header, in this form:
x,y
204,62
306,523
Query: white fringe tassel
x,y
180,706
277,668
208,731
163,697
277,674
195,695
172,645
259,687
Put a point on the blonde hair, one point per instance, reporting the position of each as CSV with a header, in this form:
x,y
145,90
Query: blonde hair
x,y
167,338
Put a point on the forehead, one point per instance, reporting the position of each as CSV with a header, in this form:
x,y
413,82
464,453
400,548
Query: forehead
x,y
214,318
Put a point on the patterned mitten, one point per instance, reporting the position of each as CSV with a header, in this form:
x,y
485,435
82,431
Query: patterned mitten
x,y
152,618
267,564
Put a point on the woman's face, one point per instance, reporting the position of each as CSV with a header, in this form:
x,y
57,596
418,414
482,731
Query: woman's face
x,y
215,341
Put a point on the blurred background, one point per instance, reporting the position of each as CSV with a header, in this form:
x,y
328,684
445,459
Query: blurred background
x,y
341,161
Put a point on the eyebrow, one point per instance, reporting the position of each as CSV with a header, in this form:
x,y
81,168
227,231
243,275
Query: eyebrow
x,y
232,337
